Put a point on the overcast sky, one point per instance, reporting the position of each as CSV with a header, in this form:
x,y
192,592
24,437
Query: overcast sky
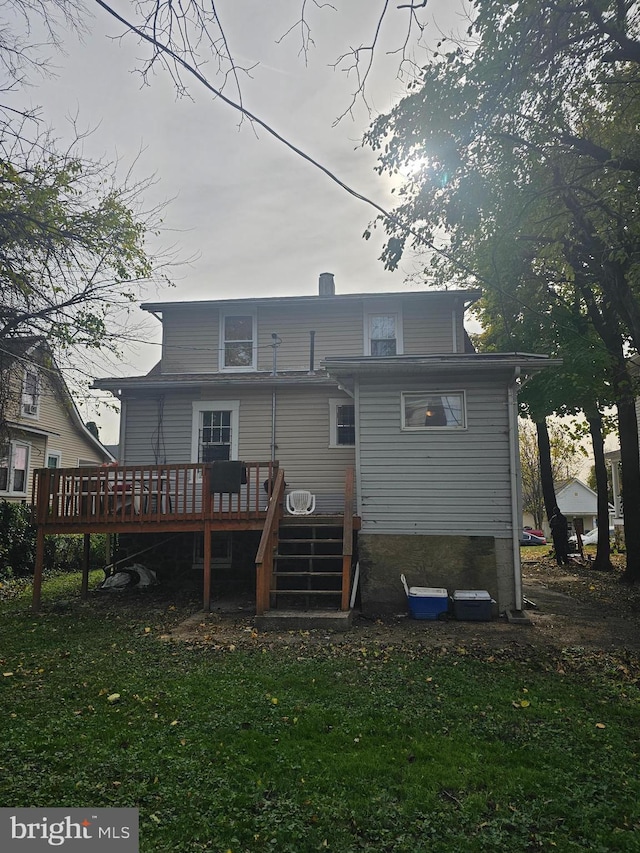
x,y
255,218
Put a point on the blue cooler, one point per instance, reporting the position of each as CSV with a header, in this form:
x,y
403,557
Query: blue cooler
x,y
426,602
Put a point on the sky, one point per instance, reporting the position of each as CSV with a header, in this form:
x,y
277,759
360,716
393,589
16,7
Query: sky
x,y
245,215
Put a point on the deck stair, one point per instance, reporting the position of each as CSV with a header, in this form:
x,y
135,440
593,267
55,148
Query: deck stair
x,y
308,565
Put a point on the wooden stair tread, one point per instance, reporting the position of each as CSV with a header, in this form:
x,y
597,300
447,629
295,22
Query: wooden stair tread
x,y
309,541
306,592
308,556
304,574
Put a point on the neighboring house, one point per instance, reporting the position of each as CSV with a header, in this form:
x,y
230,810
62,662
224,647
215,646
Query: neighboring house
x,y
40,426
386,383
578,502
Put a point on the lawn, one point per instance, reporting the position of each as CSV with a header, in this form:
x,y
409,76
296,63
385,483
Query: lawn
x,y
314,746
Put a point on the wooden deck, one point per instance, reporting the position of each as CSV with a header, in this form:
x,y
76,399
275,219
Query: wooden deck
x,y
174,498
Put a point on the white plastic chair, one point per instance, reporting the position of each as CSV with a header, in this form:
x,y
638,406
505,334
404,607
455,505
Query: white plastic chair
x,y
300,502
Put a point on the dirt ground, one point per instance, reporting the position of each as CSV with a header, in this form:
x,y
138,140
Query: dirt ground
x,y
568,607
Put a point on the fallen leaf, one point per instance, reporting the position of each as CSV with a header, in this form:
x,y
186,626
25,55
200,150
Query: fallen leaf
x,y
113,698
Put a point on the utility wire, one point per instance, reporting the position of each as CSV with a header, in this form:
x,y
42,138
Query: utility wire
x,y
386,215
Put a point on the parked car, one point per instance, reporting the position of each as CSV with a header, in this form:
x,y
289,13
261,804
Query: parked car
x,y
527,537
590,538
535,532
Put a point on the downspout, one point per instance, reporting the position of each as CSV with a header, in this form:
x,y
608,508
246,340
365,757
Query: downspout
x,y
516,497
122,430
454,321
274,372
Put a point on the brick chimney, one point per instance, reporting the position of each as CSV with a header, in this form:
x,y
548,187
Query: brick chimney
x,y
326,284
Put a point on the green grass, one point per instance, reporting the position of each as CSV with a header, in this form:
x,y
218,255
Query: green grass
x,y
313,747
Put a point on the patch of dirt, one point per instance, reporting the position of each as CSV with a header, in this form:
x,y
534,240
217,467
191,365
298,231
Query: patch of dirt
x,y
569,607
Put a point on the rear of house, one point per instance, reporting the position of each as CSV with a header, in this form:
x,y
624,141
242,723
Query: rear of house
x,y
386,383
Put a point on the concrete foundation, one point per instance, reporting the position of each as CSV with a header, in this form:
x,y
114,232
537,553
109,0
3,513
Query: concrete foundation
x,y
304,620
452,562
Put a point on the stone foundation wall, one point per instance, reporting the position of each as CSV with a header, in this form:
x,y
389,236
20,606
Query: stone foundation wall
x,y
453,562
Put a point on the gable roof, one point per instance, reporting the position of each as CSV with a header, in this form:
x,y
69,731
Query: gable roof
x,y
22,349
576,496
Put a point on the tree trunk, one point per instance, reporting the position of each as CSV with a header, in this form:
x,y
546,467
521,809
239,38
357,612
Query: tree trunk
x,y
630,458
546,470
603,553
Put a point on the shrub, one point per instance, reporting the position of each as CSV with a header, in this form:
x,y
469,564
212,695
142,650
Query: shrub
x,y
63,552
18,540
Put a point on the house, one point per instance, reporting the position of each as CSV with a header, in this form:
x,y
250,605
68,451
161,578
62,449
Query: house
x,y
577,502
40,426
385,384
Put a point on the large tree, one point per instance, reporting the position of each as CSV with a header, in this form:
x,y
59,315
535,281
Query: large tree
x,y
71,246
525,149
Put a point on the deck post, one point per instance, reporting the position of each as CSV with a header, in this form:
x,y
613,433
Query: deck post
x,y
206,603
84,589
206,509
37,571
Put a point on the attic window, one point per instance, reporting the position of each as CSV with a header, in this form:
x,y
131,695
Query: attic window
x,y
433,410
30,394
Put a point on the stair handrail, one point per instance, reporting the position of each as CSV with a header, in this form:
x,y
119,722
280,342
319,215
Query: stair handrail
x,y
267,546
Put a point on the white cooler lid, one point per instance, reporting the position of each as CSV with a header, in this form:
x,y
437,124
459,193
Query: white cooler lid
x,y
428,591
471,595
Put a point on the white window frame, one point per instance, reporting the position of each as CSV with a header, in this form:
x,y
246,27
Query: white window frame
x,y
200,406
394,311
30,403
254,341
11,447
51,454
334,404
436,392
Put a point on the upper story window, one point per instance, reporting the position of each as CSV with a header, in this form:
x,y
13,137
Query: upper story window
x,y
238,336
30,393
384,334
433,410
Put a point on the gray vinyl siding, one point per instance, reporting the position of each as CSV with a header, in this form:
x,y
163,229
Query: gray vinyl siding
x,y
338,330
302,433
190,340
427,327
302,438
191,335
441,482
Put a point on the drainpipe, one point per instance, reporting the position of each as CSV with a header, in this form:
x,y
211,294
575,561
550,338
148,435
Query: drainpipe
x,y
454,325
274,372
312,351
516,498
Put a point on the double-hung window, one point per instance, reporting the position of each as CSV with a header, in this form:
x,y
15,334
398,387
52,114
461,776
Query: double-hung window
x,y
342,424
238,341
215,431
14,468
383,333
30,393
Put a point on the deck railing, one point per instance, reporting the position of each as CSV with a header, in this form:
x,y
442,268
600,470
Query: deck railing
x,y
268,545
147,493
